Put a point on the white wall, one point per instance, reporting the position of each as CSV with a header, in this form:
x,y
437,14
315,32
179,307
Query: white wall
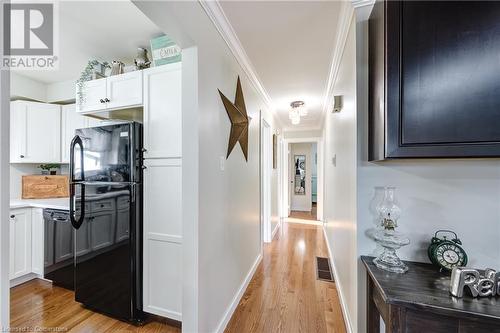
x,y
460,195
340,182
301,202
228,208
22,87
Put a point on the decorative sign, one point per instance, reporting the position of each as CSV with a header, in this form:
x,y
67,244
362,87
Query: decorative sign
x,y
467,278
164,51
237,113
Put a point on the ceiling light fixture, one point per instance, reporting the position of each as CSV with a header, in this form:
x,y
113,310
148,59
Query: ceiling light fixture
x,y
297,110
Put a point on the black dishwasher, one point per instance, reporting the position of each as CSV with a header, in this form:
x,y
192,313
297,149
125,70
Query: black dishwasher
x,y
58,248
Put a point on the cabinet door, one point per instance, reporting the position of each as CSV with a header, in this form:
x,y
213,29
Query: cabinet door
x,y
70,121
18,131
43,123
163,111
102,230
63,242
37,238
94,94
124,90
20,239
163,238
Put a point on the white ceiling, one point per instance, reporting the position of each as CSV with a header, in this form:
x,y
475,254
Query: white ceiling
x,y
103,30
290,44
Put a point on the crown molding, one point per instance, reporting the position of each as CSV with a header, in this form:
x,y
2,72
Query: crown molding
x,y
344,23
216,14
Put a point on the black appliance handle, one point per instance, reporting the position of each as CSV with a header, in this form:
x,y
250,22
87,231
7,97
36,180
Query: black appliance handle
x,y
76,141
72,191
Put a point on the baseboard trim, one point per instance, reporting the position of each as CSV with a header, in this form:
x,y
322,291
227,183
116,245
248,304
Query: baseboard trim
x,y
236,300
278,225
23,279
343,305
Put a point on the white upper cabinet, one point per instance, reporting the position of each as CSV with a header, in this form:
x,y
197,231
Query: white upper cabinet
x,y
35,132
124,90
163,111
114,92
94,93
70,120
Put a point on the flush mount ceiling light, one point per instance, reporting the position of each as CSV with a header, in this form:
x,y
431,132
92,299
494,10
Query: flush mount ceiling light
x,y
297,110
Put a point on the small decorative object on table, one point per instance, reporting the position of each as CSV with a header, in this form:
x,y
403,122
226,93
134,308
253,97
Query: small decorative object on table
x,y
388,238
482,286
446,253
142,60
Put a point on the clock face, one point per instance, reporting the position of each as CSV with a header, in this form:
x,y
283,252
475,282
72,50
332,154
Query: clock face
x,y
450,255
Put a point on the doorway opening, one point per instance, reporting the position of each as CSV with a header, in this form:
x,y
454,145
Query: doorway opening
x,y
302,180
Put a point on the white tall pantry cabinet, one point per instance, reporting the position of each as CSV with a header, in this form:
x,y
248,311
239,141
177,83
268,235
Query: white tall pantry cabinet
x,y
162,266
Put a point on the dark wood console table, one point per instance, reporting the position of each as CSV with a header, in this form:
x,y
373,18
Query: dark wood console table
x,y
419,301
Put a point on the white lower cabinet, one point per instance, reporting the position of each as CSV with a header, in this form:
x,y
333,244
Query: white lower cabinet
x,y
20,242
162,272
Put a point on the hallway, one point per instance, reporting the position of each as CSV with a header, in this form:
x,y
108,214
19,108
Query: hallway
x,y
284,294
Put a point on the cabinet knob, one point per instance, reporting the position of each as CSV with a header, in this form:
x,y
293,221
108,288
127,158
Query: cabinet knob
x,y
144,167
13,216
21,156
101,100
144,150
106,100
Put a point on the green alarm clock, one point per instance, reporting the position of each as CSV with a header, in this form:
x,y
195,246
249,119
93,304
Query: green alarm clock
x,y
445,252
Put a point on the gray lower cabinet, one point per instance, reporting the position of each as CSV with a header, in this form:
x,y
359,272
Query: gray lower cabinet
x,y
102,228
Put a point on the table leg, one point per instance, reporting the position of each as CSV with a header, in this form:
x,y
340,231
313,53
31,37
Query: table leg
x,y
373,315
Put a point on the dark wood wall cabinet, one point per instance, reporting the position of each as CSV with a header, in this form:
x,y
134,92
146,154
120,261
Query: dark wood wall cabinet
x,y
434,79
419,301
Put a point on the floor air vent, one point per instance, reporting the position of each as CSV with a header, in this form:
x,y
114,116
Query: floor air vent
x,y
324,272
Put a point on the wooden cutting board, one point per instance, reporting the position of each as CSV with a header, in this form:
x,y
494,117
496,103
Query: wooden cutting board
x,y
45,186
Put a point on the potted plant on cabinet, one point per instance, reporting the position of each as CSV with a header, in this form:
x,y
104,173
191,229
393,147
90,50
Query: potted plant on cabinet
x,y
49,169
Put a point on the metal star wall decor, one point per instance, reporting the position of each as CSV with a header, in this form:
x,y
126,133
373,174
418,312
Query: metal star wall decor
x,y
237,113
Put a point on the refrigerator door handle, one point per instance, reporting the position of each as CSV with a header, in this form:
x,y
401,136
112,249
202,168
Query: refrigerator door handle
x,y
72,192
76,141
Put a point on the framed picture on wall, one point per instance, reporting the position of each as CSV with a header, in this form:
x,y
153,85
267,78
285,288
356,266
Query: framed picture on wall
x,y
275,151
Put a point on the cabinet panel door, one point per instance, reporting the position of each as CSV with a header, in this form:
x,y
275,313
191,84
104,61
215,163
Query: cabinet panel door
x,y
93,91
102,230
163,111
20,237
163,197
163,237
18,131
163,289
43,123
124,90
70,121
449,72
37,235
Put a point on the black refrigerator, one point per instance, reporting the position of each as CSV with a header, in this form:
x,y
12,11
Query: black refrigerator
x,y
106,214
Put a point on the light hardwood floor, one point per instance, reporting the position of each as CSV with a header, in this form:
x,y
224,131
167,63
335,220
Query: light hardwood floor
x,y
39,304
284,294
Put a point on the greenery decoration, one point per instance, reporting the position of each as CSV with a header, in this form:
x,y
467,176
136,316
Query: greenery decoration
x,y
85,76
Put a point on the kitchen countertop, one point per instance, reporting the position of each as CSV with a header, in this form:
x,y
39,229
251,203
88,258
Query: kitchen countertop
x,y
58,203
